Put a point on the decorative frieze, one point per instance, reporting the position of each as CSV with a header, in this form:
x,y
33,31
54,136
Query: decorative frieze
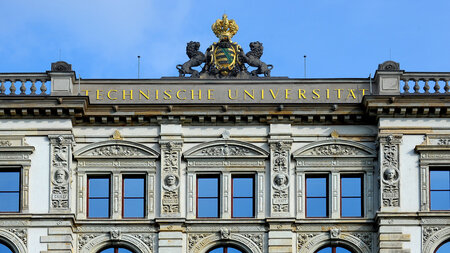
x,y
390,170
21,233
194,238
85,238
61,157
303,238
170,175
147,239
280,154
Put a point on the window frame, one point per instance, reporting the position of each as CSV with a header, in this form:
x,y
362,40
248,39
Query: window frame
x,y
430,169
218,176
19,170
109,195
251,176
140,176
440,245
355,175
321,175
333,248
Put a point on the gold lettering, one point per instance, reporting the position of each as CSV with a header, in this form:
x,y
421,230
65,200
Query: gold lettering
x,y
141,93
262,94
301,94
363,91
99,95
178,95
328,93
235,93
199,95
210,94
287,91
252,96
274,95
167,95
156,94
87,92
315,92
124,94
350,92
338,93
109,94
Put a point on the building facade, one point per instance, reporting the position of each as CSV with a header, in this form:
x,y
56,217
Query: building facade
x,y
223,163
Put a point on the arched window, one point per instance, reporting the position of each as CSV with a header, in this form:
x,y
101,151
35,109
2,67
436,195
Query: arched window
x,y
443,248
333,249
225,250
113,250
5,249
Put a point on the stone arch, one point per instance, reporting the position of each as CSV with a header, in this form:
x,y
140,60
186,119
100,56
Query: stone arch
x,y
435,240
116,149
345,240
335,148
226,149
12,241
129,241
237,240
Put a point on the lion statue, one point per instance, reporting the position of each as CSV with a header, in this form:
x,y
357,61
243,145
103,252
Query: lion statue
x,y
196,58
252,58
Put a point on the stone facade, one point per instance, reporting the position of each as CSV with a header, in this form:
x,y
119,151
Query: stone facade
x,y
389,135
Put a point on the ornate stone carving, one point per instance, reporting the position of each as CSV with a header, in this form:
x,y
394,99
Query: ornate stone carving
x,y
390,170
302,239
61,66
61,150
257,239
389,66
115,234
443,141
170,173
226,150
280,151
5,143
147,239
194,238
85,238
21,233
225,233
365,237
335,233
116,150
335,150
429,231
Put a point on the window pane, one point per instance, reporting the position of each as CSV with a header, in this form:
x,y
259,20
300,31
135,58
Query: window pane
x,y
208,187
4,249
316,187
208,207
439,180
350,186
233,250
440,200
243,187
110,250
9,181
444,248
9,202
133,208
98,187
325,250
99,208
122,250
243,207
351,207
342,250
218,250
133,187
316,207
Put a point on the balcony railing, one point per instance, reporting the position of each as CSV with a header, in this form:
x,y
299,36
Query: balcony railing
x,y
425,83
25,84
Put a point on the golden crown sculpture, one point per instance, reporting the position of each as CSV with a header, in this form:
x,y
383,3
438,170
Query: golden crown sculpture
x,y
225,28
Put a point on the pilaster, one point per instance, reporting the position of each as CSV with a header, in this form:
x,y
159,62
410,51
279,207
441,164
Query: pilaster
x,y
390,172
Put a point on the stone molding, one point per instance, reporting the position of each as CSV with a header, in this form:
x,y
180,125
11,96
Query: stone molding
x,y
115,149
15,238
280,150
170,177
433,237
94,242
311,242
201,243
390,169
226,149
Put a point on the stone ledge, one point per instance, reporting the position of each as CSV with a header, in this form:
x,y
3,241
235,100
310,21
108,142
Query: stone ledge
x,y
395,237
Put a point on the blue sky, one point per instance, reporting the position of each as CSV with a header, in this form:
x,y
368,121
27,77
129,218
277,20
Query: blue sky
x,y
342,38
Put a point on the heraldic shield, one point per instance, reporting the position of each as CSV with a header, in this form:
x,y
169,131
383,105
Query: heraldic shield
x,y
224,56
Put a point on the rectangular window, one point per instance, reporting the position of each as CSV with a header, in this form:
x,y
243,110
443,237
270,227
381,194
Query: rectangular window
x,y
439,189
208,196
98,197
133,202
243,196
317,196
351,196
10,191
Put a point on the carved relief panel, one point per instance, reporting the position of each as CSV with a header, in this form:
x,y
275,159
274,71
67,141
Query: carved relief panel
x,y
279,161
60,172
170,178
390,170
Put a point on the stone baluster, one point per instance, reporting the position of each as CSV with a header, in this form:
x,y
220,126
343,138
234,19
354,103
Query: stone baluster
x,y
23,89
43,87
426,87
12,88
446,87
2,88
416,86
406,87
437,87
33,87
